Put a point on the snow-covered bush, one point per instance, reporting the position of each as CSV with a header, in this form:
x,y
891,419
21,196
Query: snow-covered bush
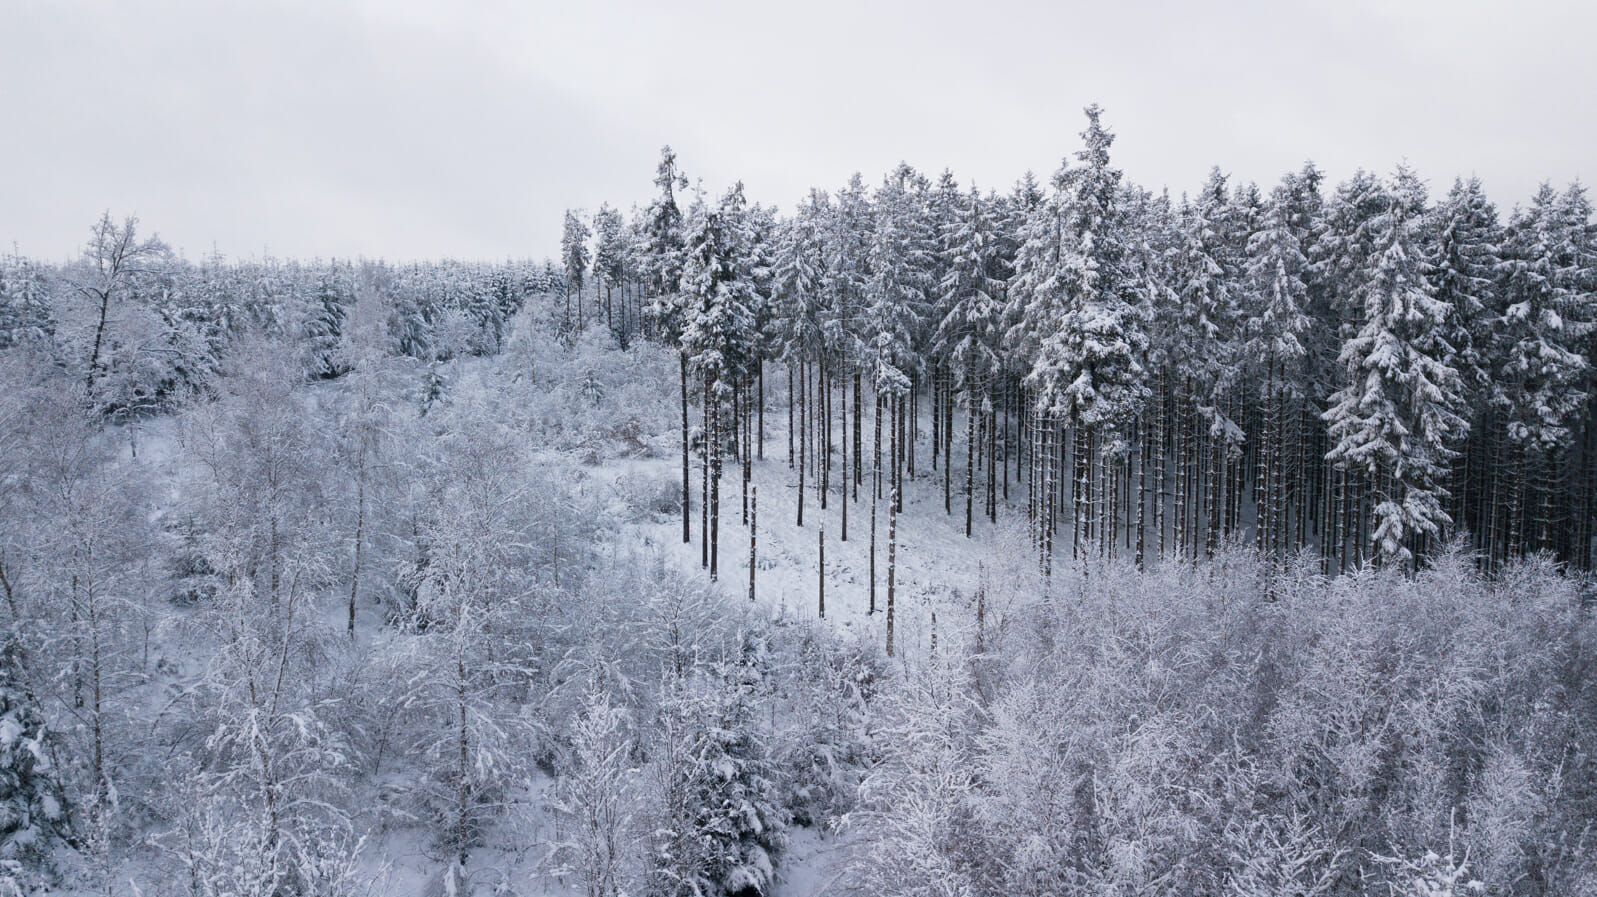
x,y
718,824
824,685
596,797
32,810
649,496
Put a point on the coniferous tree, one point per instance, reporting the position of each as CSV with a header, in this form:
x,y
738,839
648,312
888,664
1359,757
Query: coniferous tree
x,y
609,257
969,336
1078,321
574,255
1276,267
24,302
1398,416
1546,320
717,291
1468,269
663,252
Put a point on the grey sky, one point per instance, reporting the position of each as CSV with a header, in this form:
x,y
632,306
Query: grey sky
x,y
409,130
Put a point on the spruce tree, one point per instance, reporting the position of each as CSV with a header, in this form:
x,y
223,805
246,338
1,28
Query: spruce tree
x,y
574,255
717,292
1543,371
1397,417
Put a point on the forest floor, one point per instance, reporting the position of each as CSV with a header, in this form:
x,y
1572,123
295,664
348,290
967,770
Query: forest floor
x,y
937,569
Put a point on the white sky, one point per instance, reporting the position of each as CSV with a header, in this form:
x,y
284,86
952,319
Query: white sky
x,y
410,130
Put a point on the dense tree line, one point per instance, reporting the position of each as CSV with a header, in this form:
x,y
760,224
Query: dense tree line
x,y
145,328
1360,372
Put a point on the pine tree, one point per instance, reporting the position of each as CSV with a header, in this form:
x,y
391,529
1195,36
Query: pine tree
x,y
1275,269
662,252
574,255
1340,265
1541,334
898,298
24,302
1468,269
1398,415
1078,320
1468,265
609,257
32,810
720,825
969,334
332,298
717,291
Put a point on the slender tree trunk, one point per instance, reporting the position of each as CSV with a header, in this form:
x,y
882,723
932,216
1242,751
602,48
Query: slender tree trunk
x,y
704,476
820,567
803,439
892,564
842,407
754,529
715,484
1182,447
687,529
970,457
360,529
1216,466
911,417
948,453
992,459
876,478
824,384
1008,395
876,447
1142,494
1516,502
1159,459
99,335
858,442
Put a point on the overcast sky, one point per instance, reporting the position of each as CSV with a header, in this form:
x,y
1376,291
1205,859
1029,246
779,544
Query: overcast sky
x,y
417,130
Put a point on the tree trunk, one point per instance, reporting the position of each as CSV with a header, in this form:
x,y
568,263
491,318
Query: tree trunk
x,y
360,527
715,481
820,568
892,562
803,442
842,407
687,527
970,458
99,335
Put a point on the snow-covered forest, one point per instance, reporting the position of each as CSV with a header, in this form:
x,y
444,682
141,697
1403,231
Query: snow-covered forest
x,y
1074,539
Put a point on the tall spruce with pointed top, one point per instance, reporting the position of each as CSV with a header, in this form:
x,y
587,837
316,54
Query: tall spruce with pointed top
x,y
969,334
1340,262
1078,324
1274,348
717,292
1468,269
901,259
662,262
1468,265
609,256
1398,415
1543,372
574,256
